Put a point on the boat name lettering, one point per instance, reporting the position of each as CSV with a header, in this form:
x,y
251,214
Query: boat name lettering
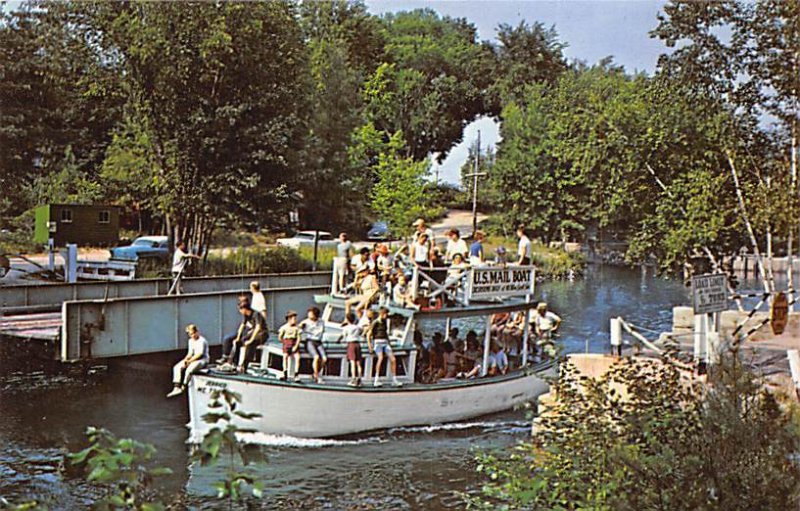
x,y
487,282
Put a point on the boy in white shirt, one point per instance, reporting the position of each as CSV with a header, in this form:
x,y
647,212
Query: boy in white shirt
x,y
351,334
257,301
196,358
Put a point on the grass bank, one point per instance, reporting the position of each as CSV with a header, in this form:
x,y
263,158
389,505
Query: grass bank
x,y
248,260
551,262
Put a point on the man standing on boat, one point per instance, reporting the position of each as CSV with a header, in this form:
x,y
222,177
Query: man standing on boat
x,y
196,358
341,263
545,324
313,329
525,248
378,343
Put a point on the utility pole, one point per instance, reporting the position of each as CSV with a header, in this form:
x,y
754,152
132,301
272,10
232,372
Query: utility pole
x,y
475,175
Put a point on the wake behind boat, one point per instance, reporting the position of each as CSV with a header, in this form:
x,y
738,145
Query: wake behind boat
x,y
307,408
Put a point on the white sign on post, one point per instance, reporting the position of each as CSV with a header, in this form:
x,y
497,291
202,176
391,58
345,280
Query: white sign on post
x,y
709,293
494,282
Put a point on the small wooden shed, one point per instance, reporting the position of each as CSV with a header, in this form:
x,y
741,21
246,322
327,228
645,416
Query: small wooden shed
x,y
95,225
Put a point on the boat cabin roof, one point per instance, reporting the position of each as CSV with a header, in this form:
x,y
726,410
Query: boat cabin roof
x,y
463,311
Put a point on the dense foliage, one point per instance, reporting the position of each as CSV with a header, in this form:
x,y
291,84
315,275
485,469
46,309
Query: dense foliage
x,y
201,116
642,436
195,116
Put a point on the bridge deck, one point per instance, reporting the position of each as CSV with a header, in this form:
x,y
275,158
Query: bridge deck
x,y
42,326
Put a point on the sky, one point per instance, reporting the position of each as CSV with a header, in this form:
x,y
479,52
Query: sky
x,y
593,30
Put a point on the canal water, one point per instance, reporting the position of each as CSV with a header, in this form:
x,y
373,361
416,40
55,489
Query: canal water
x,y
43,415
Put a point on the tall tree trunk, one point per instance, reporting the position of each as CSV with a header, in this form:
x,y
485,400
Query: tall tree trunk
x,y
793,192
743,212
707,251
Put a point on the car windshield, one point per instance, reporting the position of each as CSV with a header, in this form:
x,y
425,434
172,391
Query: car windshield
x,y
305,236
143,242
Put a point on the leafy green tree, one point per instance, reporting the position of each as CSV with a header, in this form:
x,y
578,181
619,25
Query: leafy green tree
x,y
58,100
642,437
399,196
435,82
747,54
344,43
526,55
220,89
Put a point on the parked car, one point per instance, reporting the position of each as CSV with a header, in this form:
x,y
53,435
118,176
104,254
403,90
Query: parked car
x,y
306,239
144,246
379,231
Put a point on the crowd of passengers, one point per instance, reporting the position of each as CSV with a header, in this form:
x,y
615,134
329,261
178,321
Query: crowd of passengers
x,y
437,358
378,275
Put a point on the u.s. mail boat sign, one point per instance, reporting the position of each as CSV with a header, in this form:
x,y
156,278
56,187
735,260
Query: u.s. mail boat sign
x,y
495,282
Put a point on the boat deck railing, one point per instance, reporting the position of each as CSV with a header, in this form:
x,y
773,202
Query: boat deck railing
x,y
453,287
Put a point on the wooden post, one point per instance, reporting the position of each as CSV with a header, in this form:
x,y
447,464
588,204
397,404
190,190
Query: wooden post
x,y
700,348
487,341
616,336
526,334
316,246
794,367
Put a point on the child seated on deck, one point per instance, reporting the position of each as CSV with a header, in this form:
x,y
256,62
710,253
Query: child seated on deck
x,y
402,294
368,289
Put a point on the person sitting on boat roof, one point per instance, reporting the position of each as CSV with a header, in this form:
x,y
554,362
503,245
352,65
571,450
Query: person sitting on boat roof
x,y
257,301
351,334
384,263
455,245
501,256
360,260
368,289
402,294
476,249
437,259
498,360
545,325
313,329
289,335
402,258
196,358
378,343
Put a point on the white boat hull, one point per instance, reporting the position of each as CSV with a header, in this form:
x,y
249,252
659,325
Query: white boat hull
x,y
316,411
